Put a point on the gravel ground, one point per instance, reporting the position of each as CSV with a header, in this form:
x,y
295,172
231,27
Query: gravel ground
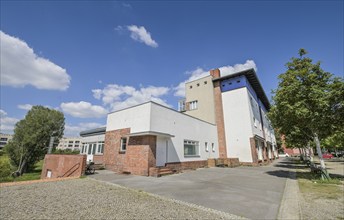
x,y
90,199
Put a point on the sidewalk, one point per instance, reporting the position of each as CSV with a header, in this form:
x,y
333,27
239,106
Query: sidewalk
x,y
290,207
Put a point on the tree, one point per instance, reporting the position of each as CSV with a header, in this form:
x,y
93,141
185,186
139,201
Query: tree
x,y
308,103
32,136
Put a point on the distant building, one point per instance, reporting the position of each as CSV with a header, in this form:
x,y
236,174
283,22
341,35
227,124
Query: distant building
x,y
72,143
4,139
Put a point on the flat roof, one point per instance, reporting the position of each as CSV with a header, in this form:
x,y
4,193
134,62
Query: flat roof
x,y
94,131
253,80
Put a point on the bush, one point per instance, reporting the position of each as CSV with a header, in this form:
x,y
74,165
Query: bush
x,y
66,151
5,167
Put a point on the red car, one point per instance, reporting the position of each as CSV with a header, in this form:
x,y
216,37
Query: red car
x,y
327,156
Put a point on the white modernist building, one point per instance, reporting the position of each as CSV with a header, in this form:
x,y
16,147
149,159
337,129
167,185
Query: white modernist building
x,y
221,117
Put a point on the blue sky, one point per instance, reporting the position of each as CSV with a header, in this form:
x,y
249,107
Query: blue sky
x,y
87,58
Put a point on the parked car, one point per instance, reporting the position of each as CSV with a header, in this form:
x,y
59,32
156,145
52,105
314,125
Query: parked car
x,y
327,156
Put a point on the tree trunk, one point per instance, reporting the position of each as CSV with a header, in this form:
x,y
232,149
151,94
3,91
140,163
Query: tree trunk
x,y
310,151
324,175
22,167
317,144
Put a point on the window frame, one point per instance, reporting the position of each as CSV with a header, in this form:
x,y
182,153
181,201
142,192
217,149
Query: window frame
x,y
125,144
193,143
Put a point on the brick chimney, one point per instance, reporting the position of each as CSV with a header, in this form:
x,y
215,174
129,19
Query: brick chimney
x,y
215,73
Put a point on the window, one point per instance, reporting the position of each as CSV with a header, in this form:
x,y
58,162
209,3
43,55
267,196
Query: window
x,y
191,148
89,149
100,148
238,81
206,147
205,82
254,122
190,87
213,147
77,142
193,105
197,84
123,144
94,149
70,142
3,139
70,145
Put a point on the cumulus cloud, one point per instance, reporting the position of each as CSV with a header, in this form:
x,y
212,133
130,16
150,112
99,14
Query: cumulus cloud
x,y
25,107
140,34
193,75
7,123
20,66
226,70
118,97
74,130
199,73
83,110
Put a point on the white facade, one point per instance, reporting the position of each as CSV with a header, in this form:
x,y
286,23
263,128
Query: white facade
x,y
172,128
239,127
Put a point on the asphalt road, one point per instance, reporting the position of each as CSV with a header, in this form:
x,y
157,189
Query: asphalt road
x,y
251,192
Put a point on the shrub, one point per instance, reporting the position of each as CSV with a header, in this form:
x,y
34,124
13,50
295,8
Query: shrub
x,y
5,167
66,151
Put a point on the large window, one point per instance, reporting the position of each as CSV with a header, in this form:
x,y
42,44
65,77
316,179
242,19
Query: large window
x,y
191,148
123,144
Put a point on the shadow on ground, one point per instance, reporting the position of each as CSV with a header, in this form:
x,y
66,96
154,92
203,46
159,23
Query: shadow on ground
x,y
281,173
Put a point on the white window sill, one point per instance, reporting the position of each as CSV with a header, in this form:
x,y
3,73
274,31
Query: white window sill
x,y
192,156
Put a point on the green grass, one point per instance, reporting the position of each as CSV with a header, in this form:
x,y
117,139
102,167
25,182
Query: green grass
x,y
311,184
33,175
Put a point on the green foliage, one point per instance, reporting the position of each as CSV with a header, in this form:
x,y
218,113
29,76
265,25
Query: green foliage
x,y
5,167
66,151
308,102
32,135
334,141
35,174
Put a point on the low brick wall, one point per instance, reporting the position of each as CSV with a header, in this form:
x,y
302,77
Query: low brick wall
x,y
233,162
179,166
211,162
61,165
98,159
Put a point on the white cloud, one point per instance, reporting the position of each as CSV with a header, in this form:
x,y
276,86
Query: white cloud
x,y
118,97
20,66
140,34
195,74
226,70
199,73
83,109
25,106
7,123
74,130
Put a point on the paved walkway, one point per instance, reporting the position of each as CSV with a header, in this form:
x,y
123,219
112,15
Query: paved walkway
x,y
251,192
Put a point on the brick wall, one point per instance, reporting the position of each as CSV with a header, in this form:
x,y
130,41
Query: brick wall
x,y
179,166
253,150
98,159
221,134
61,165
114,159
139,156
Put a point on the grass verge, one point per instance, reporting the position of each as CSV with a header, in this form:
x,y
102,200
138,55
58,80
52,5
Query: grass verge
x,y
33,175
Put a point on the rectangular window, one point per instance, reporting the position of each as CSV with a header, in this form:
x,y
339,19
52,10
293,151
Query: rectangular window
x,y
254,122
94,149
206,147
123,144
213,147
3,139
191,148
193,105
89,149
77,142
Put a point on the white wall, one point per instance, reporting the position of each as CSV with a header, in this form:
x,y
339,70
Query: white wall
x,y
136,118
238,123
183,127
93,138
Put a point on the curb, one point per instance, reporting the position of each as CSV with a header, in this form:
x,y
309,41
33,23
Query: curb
x,y
290,207
36,181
